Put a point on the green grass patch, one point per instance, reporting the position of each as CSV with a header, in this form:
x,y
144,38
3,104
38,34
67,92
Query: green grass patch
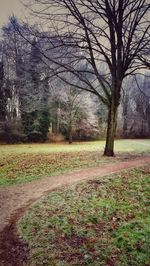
x,y
24,163
136,145
105,221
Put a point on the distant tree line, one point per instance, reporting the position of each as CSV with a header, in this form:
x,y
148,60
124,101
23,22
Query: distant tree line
x,y
32,104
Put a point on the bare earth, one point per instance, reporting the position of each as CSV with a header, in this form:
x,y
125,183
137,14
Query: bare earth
x,y
15,199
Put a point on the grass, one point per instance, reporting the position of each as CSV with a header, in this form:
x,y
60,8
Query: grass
x,y
105,221
24,163
136,145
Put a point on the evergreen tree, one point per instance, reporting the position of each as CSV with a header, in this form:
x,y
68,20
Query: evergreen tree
x,y
36,121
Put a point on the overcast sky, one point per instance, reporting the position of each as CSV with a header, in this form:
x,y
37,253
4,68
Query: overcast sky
x,y
8,7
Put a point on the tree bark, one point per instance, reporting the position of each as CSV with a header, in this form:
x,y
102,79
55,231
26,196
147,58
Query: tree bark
x,y
111,130
125,114
70,133
70,137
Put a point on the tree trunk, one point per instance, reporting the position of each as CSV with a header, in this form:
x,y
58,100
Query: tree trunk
x,y
111,130
58,119
70,133
70,137
125,114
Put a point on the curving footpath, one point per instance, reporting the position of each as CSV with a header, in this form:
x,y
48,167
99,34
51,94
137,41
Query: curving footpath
x,y
15,199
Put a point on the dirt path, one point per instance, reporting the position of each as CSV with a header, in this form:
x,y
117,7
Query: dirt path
x,y
18,196
15,199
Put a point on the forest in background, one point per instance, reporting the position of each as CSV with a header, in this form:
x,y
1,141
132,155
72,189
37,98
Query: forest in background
x,y
35,107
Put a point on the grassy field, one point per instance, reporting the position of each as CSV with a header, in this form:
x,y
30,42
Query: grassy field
x,y
105,221
24,163
138,145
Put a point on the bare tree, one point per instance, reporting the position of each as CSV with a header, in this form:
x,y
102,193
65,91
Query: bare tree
x,y
2,96
72,110
108,33
134,110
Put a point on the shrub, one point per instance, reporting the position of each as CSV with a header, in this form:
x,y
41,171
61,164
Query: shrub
x,y
12,138
52,137
35,137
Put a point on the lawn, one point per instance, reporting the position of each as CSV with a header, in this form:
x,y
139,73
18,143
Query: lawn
x,y
136,145
105,221
24,163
